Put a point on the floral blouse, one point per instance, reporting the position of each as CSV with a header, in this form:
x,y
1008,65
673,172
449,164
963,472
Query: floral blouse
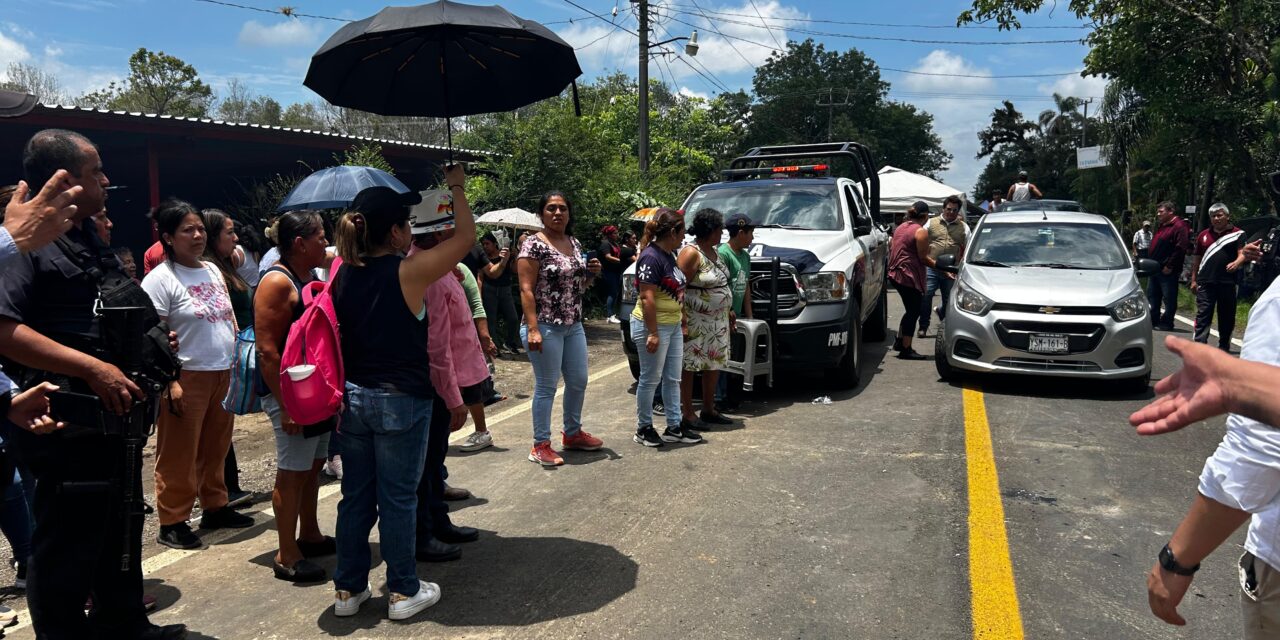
x,y
562,281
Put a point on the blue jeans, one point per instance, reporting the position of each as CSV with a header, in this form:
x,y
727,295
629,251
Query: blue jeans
x,y
934,280
15,517
613,292
662,366
384,447
1163,288
564,350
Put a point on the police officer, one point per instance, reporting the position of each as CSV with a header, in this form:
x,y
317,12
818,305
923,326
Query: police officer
x,y
48,329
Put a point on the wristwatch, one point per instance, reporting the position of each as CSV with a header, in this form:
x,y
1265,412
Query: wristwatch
x,y
1170,564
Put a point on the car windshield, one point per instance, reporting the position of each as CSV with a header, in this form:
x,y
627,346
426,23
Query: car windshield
x,y
1056,245
796,206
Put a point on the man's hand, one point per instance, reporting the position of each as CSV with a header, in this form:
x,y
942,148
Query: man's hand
x,y
1164,592
1167,271
1195,287
117,391
1193,393
457,417
503,254
454,175
489,347
39,222
1252,251
30,409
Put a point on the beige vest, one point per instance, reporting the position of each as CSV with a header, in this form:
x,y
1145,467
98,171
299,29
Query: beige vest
x,y
945,239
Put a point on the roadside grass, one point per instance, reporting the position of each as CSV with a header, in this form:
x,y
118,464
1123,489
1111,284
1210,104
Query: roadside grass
x,y
1187,307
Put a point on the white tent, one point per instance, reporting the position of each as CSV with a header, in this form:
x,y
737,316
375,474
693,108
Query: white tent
x,y
900,189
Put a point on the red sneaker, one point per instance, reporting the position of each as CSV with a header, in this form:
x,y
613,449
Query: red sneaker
x,y
544,455
582,441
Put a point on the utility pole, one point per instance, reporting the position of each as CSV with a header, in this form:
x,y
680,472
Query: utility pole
x,y
643,7
831,104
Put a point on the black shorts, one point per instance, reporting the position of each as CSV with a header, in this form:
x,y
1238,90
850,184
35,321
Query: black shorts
x,y
476,393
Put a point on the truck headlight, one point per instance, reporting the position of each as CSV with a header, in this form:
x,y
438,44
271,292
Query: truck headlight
x,y
827,286
970,301
1130,307
629,290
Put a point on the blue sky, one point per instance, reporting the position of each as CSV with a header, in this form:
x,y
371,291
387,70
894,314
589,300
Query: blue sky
x,y
86,43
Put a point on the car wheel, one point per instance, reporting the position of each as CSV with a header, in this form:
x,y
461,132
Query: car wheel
x,y
848,374
876,328
945,371
634,365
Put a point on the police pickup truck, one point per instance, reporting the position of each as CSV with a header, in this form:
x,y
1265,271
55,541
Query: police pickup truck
x,y
819,258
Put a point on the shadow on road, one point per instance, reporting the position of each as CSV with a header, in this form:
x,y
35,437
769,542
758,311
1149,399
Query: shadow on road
x,y
517,568
1056,388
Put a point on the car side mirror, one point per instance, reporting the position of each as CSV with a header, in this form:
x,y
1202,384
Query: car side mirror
x,y
862,229
946,263
1146,267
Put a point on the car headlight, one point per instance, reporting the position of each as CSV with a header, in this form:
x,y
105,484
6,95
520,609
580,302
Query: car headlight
x,y
629,290
970,301
827,286
1130,307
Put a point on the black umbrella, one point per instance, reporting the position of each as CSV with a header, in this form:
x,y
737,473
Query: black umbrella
x,y
441,60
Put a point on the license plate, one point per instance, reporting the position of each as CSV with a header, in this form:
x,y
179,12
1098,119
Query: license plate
x,y
1048,343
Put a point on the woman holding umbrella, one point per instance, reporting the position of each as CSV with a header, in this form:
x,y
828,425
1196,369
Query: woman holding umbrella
x,y
554,276
378,298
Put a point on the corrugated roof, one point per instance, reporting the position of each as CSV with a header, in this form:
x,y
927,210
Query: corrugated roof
x,y
247,125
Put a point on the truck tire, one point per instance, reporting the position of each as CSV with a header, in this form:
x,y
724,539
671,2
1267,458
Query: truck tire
x,y
946,372
848,374
877,326
634,365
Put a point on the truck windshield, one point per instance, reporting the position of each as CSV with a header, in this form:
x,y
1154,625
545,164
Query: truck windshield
x,y
1054,245
795,206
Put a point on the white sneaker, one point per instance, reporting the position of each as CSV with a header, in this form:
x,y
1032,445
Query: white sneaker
x,y
7,616
333,467
347,604
614,320
476,441
402,606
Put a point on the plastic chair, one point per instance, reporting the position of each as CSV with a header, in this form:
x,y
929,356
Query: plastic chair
x,y
757,354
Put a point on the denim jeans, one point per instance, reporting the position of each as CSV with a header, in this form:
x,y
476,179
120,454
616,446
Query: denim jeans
x,y
1163,288
934,280
612,281
15,518
663,366
564,351
384,447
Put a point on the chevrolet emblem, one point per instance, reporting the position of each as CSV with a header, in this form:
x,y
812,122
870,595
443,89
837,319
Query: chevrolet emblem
x,y
1050,310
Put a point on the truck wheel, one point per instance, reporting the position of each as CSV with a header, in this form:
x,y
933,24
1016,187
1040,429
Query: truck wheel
x,y
876,328
945,371
849,372
634,365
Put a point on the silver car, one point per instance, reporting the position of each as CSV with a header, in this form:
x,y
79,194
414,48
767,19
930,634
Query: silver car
x,y
1050,293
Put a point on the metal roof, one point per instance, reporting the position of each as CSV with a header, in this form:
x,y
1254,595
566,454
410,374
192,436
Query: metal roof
x,y
245,125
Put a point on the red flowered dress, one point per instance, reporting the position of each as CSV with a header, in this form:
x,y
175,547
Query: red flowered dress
x,y
707,302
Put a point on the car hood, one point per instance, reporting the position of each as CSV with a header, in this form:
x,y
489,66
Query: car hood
x,y
807,251
1043,286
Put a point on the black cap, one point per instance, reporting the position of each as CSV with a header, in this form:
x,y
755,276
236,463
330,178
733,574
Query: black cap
x,y
739,221
1022,174
377,199
921,206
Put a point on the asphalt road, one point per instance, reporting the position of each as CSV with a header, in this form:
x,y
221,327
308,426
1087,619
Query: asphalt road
x,y
844,520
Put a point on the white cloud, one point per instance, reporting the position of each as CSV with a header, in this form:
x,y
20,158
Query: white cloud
x,y
951,65
686,91
11,51
1084,87
735,44
603,47
291,32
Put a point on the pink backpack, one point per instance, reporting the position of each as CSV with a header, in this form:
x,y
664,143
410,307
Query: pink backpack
x,y
311,375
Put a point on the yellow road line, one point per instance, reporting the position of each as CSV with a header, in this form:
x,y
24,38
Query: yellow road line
x,y
994,597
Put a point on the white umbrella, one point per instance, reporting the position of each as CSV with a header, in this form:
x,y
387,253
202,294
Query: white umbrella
x,y
516,218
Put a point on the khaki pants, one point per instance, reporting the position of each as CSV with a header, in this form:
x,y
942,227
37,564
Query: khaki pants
x,y
1259,598
191,448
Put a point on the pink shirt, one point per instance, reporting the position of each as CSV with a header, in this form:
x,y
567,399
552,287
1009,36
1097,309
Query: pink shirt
x,y
452,344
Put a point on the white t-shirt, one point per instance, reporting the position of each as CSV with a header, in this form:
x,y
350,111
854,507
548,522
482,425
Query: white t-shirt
x,y
1244,472
269,259
1142,239
248,269
197,306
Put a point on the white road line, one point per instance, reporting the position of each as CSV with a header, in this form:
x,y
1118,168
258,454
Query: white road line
x,y
170,556
1213,332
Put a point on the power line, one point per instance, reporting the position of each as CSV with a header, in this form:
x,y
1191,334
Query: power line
x,y
974,75
283,11
882,24
716,83
615,25
712,26
832,34
766,25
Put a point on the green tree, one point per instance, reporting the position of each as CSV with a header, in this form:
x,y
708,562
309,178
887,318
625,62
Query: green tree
x,y
303,115
35,81
157,83
791,84
365,154
240,104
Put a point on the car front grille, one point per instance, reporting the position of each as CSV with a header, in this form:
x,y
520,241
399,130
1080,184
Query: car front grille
x,y
789,299
1046,364
1082,337
1050,309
